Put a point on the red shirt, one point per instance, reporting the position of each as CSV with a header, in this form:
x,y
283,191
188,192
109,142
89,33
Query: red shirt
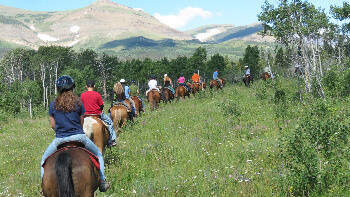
x,y
92,101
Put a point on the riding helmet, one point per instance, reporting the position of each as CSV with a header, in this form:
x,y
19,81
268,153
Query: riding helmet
x,y
181,74
246,66
153,77
132,81
195,71
65,83
122,81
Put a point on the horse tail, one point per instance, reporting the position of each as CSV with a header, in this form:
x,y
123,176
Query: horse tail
x,y
63,167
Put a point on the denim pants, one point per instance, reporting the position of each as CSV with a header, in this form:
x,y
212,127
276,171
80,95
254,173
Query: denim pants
x,y
89,145
108,120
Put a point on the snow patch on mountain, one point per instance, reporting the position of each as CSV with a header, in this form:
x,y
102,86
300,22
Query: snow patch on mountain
x,y
204,36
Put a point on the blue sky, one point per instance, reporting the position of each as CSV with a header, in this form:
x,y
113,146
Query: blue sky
x,y
179,14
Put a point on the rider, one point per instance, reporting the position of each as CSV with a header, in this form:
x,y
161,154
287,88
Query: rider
x,y
246,71
215,77
127,96
93,104
134,91
66,118
181,82
196,78
152,84
168,84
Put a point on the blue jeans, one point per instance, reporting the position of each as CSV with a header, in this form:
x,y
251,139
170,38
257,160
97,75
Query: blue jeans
x,y
143,104
108,120
89,145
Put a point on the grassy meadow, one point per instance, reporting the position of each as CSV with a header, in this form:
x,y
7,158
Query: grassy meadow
x,y
238,142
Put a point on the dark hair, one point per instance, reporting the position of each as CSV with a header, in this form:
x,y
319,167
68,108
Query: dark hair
x,y
67,102
90,83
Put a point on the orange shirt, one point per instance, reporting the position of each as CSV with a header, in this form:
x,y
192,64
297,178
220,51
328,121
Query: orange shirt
x,y
195,78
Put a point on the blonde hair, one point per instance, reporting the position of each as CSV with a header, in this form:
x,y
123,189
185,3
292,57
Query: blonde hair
x,y
118,88
166,78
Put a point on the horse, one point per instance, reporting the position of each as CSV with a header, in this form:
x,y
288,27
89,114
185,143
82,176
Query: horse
x,y
265,76
204,85
154,99
96,130
196,87
119,116
181,92
70,172
138,104
214,83
223,81
247,80
167,95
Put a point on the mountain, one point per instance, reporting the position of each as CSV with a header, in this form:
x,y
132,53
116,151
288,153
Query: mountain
x,y
101,22
224,33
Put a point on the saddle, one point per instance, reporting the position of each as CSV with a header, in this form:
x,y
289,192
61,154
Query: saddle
x,y
124,105
77,145
95,116
185,88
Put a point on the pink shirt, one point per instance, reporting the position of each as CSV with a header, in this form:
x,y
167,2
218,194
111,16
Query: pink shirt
x,y
181,80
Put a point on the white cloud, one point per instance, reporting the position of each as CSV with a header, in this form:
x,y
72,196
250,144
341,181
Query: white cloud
x,y
184,16
211,32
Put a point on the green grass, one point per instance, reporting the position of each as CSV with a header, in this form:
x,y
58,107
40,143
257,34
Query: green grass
x,y
218,144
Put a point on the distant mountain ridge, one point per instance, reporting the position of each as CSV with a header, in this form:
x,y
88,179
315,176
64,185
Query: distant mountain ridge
x,y
110,27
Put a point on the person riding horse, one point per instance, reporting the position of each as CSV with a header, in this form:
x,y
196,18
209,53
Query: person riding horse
x,y
181,82
127,96
134,91
216,77
152,84
93,104
196,78
66,114
168,83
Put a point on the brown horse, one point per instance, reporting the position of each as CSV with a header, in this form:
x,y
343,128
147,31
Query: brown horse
x,y
154,99
119,116
196,87
138,104
96,130
181,92
214,83
223,81
265,76
70,173
204,85
167,95
247,80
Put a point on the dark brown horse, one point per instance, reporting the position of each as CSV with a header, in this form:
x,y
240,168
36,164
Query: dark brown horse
x,y
223,81
138,104
167,95
216,84
70,173
154,99
96,130
196,87
204,85
247,80
181,92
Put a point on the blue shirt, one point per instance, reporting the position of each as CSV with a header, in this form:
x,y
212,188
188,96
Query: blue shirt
x,y
127,90
215,75
247,71
67,124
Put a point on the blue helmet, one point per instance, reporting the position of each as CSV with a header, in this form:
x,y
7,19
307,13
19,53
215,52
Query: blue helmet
x,y
181,74
132,81
65,83
153,77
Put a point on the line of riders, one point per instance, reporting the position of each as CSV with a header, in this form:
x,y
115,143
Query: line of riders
x,y
67,113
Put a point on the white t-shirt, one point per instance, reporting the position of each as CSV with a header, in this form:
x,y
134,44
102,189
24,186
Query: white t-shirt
x,y
152,84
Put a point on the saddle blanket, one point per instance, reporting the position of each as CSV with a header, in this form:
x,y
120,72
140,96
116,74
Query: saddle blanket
x,y
93,157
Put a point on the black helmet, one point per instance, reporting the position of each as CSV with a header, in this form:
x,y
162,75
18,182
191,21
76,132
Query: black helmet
x,y
132,81
181,74
153,77
195,71
65,83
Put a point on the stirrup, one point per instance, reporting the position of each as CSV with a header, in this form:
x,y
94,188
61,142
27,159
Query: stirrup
x,y
104,186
